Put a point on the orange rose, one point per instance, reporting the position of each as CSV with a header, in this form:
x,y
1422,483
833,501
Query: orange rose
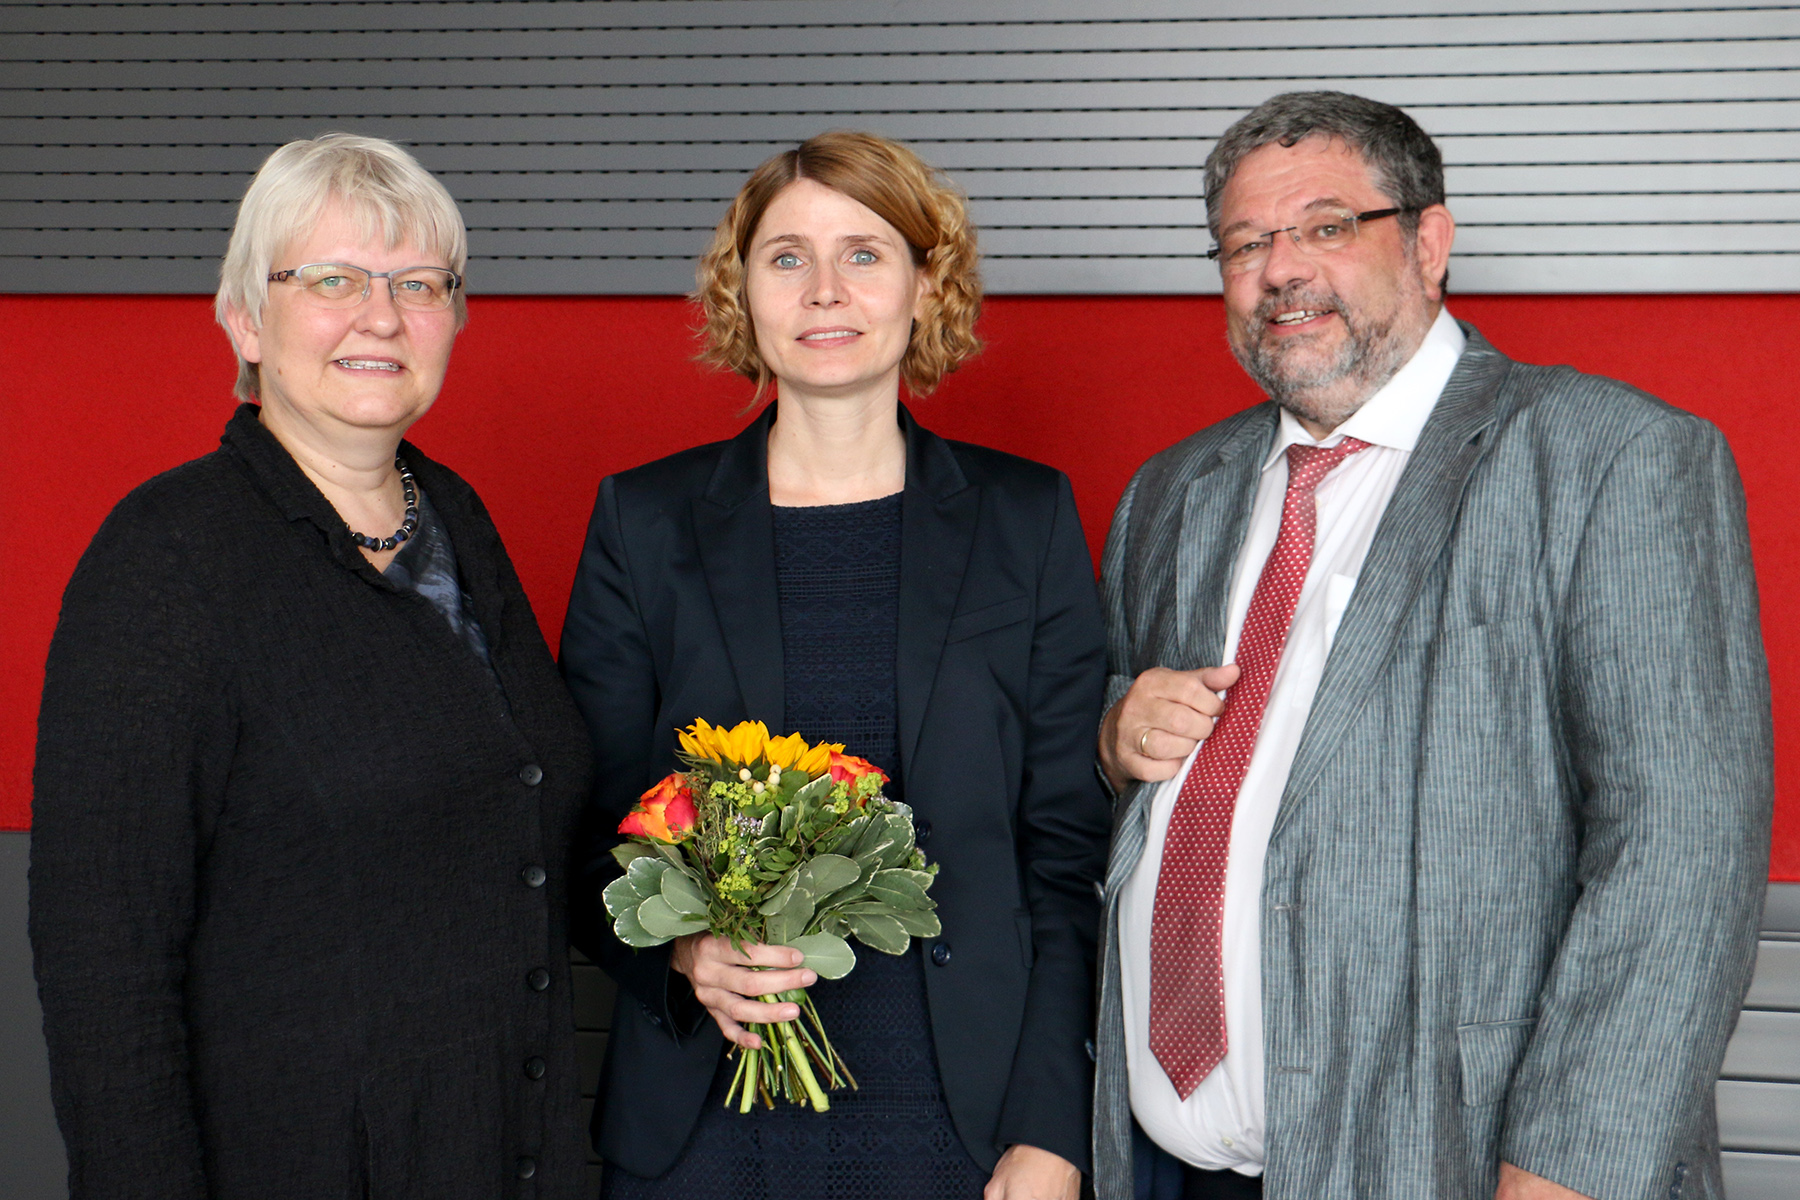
x,y
847,768
664,814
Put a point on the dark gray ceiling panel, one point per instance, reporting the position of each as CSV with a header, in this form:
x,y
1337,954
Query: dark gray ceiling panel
x,y
1627,144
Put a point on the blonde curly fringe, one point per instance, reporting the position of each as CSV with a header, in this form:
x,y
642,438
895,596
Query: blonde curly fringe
x,y
892,181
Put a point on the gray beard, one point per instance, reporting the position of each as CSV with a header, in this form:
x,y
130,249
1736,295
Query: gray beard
x,y
1329,393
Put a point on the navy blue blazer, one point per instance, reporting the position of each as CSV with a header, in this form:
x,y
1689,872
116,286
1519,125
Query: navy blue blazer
x,y
1000,673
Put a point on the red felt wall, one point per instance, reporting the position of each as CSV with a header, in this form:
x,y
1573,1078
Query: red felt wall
x,y
547,394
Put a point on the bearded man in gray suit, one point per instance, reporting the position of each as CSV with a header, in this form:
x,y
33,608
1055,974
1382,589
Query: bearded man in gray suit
x,y
1446,884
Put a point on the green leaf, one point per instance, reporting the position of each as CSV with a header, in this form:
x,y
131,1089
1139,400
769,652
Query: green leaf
x,y
621,896
683,894
828,873
776,902
863,907
879,933
844,840
875,839
628,929
816,791
771,825
790,813
835,925
661,921
791,921
624,852
646,874
900,829
923,878
920,924
829,955
896,889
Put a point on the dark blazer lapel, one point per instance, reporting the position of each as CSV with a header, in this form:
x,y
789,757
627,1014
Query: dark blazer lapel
x,y
735,529
1214,516
1413,531
938,512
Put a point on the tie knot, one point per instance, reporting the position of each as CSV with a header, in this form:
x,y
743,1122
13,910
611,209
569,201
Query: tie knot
x,y
1307,465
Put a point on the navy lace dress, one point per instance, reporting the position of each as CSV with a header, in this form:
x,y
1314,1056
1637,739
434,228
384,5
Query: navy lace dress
x,y
838,568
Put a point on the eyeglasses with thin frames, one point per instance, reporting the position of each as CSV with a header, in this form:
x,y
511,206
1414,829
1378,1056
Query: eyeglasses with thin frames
x,y
1321,233
339,285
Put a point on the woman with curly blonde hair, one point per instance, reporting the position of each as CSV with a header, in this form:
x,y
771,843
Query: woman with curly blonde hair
x,y
838,570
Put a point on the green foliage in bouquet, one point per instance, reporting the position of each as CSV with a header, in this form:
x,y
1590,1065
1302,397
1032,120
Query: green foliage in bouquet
x,y
771,840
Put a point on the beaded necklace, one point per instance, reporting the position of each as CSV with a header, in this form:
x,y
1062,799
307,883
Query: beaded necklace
x,y
410,496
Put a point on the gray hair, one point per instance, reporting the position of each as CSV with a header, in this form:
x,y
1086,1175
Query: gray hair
x,y
1403,161
389,195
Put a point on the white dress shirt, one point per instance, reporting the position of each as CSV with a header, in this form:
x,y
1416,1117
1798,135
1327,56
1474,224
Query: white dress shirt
x,y
1220,1125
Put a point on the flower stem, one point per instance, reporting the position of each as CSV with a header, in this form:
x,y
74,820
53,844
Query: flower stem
x,y
797,1064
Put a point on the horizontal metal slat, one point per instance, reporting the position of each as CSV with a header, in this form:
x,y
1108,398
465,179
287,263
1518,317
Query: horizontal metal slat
x,y
1761,1176
1781,911
475,61
1441,106
838,27
1759,1116
1601,209
1776,984
712,122
1626,239
1766,1046
1138,147
1473,274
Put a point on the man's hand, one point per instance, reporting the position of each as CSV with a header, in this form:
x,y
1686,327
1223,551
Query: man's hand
x,y
1155,725
1523,1185
1027,1173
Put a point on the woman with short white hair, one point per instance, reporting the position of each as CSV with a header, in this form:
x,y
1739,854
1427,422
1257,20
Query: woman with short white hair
x,y
306,776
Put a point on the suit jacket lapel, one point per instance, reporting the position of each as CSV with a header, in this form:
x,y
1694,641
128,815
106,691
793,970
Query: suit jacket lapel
x,y
735,528
938,513
1412,533
1214,518
1215,514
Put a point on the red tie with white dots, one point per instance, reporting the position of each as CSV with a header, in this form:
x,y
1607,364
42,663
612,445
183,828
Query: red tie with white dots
x,y
1187,983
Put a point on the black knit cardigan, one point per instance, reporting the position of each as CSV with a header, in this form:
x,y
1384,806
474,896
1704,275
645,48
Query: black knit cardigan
x,y
298,871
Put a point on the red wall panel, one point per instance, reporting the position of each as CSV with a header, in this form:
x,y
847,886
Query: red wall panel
x,y
546,395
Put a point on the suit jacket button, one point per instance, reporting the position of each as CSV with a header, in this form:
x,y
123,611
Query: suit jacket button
x,y
527,1167
940,953
921,830
533,876
538,980
534,1067
531,774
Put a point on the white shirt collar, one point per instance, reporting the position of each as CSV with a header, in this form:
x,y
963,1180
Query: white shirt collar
x,y
1395,414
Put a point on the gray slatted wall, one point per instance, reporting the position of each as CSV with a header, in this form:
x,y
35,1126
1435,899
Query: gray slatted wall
x,y
1608,145
1759,1094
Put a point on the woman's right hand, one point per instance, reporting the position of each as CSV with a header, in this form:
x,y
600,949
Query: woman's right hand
x,y
724,982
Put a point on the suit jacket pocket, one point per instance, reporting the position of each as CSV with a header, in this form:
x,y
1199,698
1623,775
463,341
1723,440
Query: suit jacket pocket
x,y
1490,1052
988,618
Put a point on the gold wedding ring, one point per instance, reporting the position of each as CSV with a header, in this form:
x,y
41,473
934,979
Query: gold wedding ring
x,y
1144,742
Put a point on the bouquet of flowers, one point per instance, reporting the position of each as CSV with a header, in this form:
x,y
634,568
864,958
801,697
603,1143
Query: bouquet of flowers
x,y
769,839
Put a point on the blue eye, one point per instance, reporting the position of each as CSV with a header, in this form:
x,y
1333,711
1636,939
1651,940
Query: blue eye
x,y
787,261
863,257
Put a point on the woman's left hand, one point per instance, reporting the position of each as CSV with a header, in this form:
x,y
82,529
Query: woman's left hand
x,y
1027,1173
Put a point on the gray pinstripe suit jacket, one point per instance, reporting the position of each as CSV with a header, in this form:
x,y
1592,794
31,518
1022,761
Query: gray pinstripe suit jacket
x,y
1510,903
